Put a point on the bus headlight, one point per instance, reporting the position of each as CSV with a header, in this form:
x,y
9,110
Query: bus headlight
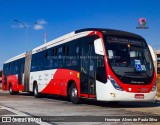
x,y
154,86
114,83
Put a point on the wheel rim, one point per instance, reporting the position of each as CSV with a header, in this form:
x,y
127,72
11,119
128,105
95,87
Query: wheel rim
x,y
10,89
74,92
35,91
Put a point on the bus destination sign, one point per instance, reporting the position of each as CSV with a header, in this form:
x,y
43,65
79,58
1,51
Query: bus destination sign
x,y
124,40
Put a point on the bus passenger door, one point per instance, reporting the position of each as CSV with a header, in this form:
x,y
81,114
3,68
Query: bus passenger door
x,y
20,72
88,70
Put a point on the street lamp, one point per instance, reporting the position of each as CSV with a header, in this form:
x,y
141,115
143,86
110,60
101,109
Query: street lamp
x,y
45,34
26,30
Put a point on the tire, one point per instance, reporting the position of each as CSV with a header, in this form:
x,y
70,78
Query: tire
x,y
73,92
11,90
31,93
16,92
35,91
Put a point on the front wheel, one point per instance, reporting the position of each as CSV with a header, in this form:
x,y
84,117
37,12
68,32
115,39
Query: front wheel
x,y
73,92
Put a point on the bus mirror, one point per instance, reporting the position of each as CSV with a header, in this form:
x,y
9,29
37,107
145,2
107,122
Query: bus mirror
x,y
98,47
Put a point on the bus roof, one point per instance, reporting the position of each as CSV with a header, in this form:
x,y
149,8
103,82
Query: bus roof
x,y
59,39
15,58
111,32
54,42
78,33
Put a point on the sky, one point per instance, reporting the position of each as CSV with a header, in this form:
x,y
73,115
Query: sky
x,y
59,17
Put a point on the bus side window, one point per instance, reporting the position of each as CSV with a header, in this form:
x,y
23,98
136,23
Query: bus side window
x,y
54,57
33,63
47,60
9,69
77,50
63,55
39,65
13,66
50,59
74,54
60,57
46,54
64,50
67,51
54,52
68,62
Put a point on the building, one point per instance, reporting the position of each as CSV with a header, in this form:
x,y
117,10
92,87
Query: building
x,y
158,61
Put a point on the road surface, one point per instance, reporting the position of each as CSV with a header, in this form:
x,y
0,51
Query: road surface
x,y
28,106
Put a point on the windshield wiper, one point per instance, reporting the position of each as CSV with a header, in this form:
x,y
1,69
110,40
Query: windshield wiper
x,y
123,76
139,73
146,74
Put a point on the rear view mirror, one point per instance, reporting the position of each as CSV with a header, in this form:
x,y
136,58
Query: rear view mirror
x,y
98,47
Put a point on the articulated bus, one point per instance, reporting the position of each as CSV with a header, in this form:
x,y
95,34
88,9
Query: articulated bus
x,y
93,63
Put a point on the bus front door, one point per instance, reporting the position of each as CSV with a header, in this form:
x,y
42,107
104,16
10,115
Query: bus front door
x,y
20,72
88,70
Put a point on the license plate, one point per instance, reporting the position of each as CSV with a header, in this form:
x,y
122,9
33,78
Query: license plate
x,y
139,96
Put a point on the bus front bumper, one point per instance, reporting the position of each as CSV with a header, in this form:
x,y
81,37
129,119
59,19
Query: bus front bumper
x,y
106,92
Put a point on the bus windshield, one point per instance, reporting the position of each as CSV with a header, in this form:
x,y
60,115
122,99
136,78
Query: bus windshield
x,y
129,59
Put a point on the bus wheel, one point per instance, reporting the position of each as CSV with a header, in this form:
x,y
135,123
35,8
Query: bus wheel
x,y
31,93
74,94
11,90
36,93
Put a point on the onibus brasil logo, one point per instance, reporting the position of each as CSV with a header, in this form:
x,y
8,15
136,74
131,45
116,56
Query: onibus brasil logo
x,y
142,23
